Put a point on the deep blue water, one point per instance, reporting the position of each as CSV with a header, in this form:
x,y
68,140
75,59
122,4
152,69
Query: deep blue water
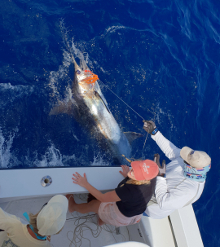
x,y
161,57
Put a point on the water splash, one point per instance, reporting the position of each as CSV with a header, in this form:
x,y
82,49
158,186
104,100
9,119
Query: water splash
x,y
62,74
71,47
10,92
5,147
52,158
69,52
99,161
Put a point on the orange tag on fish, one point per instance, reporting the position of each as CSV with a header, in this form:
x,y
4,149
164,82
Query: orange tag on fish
x,y
92,78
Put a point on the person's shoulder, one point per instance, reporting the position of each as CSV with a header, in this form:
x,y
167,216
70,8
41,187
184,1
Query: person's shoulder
x,y
193,184
9,217
189,188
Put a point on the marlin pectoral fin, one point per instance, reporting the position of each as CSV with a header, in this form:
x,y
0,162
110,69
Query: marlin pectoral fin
x,y
99,96
131,136
61,108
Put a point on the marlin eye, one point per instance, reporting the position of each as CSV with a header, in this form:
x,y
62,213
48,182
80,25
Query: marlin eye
x,y
78,72
192,152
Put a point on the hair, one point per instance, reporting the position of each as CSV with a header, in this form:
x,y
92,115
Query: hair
x,y
137,182
33,221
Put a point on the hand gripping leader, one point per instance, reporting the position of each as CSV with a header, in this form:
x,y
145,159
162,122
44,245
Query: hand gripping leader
x,y
150,127
162,169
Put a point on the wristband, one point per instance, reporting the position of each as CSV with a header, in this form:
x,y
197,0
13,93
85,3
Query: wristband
x,y
154,131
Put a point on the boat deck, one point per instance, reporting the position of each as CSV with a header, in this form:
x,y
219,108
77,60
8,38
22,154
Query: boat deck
x,y
79,230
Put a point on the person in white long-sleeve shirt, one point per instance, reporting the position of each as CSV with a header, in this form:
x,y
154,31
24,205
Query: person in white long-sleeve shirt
x,y
180,182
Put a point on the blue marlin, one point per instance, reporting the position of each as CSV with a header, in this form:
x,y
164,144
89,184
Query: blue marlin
x,y
89,107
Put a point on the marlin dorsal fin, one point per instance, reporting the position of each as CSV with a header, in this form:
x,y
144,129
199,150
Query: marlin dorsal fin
x,y
131,136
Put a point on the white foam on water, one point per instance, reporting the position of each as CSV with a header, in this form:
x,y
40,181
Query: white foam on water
x,y
72,49
62,73
17,88
51,158
54,158
5,147
70,52
112,29
99,161
14,91
67,158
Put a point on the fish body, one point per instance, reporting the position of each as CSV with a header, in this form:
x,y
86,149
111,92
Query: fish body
x,y
90,109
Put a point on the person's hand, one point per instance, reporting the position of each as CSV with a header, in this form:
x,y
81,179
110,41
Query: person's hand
x,y
78,179
150,127
162,169
125,170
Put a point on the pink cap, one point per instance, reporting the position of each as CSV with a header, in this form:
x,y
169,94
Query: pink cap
x,y
144,169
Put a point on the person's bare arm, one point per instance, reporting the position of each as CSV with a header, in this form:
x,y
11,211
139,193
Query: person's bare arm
x,y
106,197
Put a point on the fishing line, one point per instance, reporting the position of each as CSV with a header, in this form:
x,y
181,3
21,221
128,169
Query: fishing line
x,y
154,113
145,142
124,101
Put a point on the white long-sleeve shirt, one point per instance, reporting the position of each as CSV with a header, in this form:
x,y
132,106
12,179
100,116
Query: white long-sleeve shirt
x,y
16,234
174,191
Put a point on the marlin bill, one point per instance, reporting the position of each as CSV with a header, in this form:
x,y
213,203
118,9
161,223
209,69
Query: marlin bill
x,y
89,107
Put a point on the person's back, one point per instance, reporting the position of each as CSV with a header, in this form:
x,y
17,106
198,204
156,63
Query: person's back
x,y
173,192
134,198
48,221
16,234
184,182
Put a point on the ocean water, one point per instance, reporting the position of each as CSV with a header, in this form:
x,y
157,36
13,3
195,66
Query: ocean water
x,y
161,57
